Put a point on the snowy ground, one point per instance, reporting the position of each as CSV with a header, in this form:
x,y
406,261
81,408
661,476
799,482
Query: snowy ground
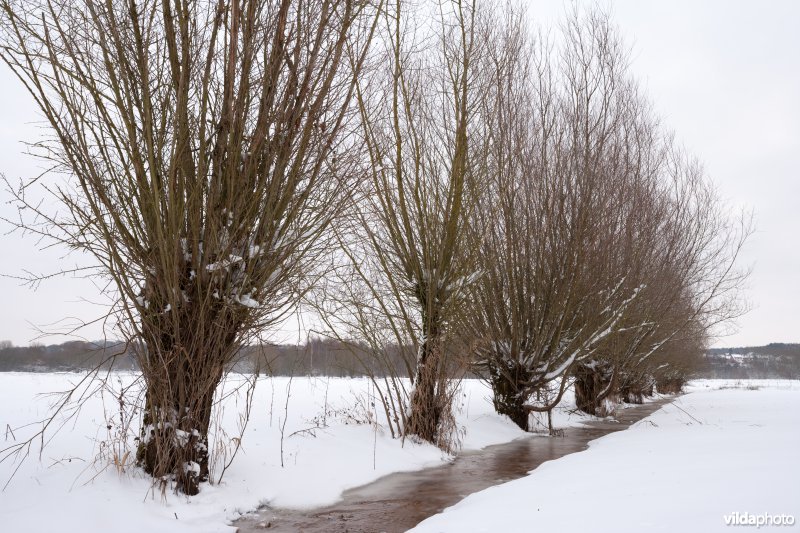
x,y
729,446
738,455
75,485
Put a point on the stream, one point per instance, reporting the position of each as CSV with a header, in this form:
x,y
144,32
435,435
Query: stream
x,y
399,501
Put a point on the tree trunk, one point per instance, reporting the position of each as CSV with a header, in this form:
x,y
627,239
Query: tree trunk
x,y
513,408
636,388
509,398
593,385
670,385
426,399
182,366
174,436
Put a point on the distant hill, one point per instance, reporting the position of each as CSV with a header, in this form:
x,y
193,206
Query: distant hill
x,y
775,360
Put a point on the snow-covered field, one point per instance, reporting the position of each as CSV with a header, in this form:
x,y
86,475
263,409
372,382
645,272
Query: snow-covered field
x,y
729,446
329,445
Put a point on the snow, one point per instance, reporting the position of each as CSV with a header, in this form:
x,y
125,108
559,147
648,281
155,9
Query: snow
x,y
247,301
191,466
727,447
329,445
231,260
703,469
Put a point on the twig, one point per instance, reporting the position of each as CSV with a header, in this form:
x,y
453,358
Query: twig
x,y
687,413
285,414
310,431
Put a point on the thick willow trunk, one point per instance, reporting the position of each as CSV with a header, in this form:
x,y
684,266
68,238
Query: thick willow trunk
x,y
670,385
174,437
427,396
513,408
507,380
636,388
183,365
594,388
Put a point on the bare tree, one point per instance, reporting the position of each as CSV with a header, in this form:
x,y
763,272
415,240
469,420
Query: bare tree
x,y
687,265
406,260
203,152
552,286
600,241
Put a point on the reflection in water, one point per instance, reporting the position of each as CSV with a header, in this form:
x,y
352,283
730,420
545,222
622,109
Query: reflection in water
x,y
398,502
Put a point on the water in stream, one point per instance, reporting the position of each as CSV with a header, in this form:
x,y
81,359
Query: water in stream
x,y
400,501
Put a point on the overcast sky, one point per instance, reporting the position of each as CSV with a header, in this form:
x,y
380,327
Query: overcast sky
x,y
724,75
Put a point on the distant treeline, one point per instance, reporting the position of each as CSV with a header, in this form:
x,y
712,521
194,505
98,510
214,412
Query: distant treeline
x,y
319,357
69,356
775,360
332,358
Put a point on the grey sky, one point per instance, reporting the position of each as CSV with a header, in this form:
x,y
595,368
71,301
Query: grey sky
x,y
724,75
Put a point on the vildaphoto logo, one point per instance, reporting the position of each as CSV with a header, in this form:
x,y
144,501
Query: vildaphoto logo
x,y
758,520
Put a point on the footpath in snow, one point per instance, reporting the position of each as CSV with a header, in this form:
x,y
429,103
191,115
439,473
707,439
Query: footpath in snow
x,y
690,467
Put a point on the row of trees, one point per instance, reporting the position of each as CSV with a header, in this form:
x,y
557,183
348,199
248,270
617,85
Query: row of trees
x,y
448,190
529,219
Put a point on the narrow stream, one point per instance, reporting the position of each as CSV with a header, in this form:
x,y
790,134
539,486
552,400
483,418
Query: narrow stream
x,y
398,502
